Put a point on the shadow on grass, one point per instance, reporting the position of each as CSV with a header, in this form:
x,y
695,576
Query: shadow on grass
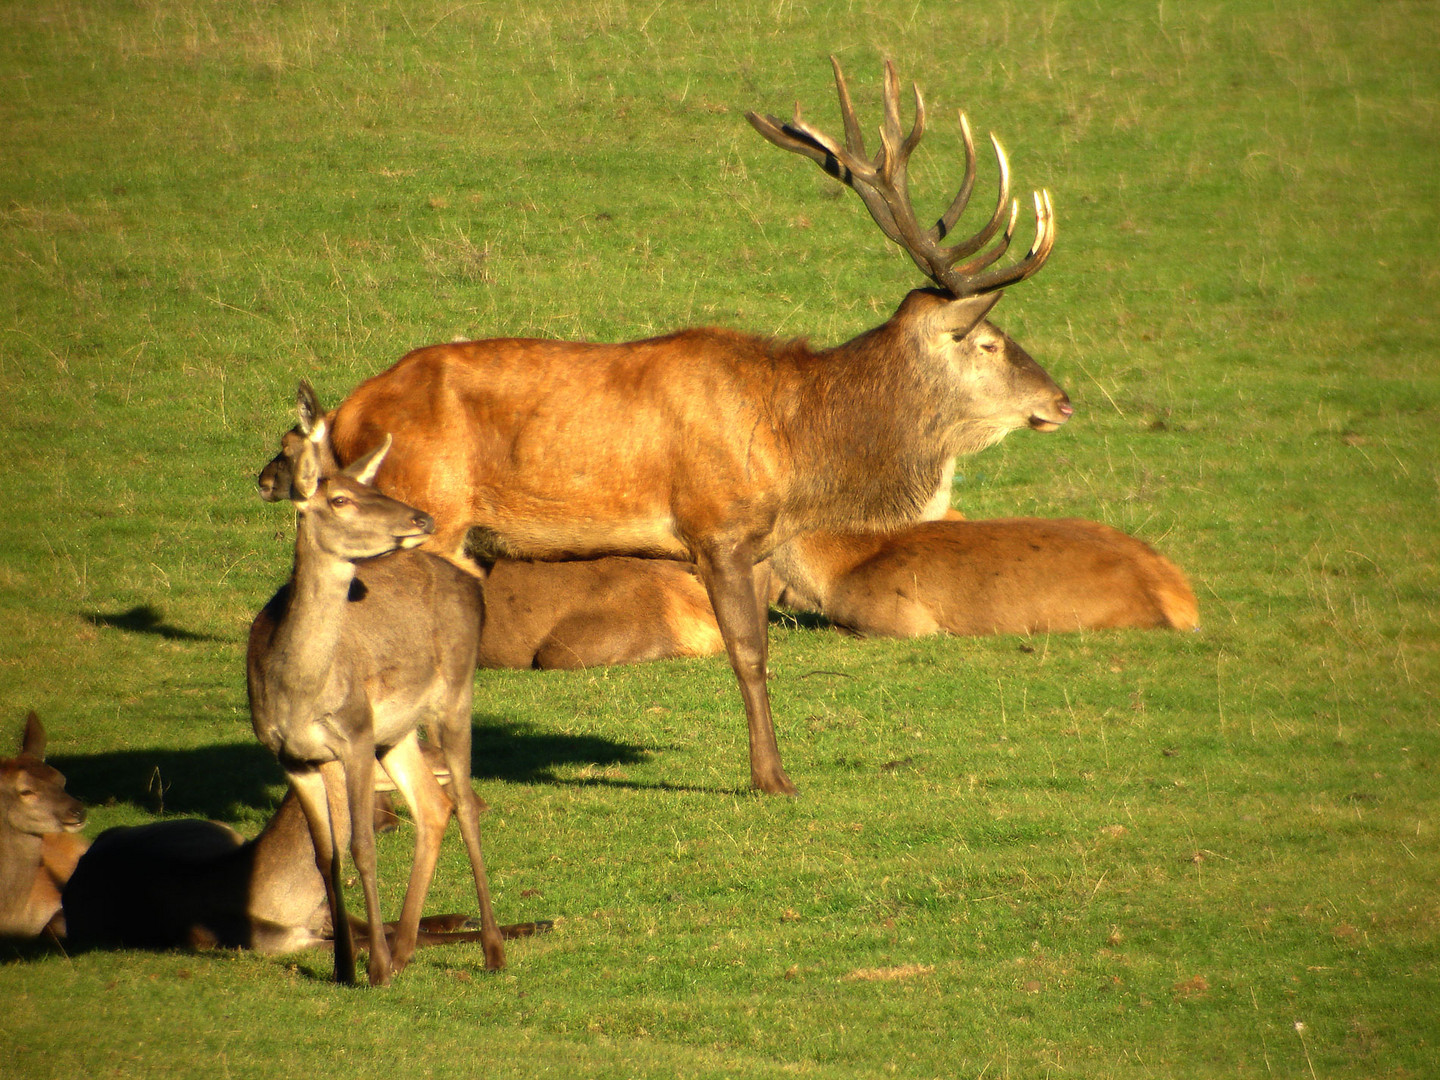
x,y
145,619
216,781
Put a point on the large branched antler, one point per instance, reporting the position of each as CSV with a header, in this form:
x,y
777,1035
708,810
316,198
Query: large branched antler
x,y
883,185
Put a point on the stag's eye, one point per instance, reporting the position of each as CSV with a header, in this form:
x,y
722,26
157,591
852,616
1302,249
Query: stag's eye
x,y
990,346
338,501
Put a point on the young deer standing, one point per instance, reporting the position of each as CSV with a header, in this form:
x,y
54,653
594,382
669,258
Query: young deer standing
x,y
38,848
1009,576
366,643
713,446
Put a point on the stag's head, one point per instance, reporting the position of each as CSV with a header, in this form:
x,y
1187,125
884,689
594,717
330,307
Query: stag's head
x,y
991,380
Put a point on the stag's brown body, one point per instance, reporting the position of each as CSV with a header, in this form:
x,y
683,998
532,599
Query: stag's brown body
x,y
715,446
698,439
1008,576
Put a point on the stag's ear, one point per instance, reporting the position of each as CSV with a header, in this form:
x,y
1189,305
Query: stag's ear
x,y
961,316
364,469
307,405
306,477
33,742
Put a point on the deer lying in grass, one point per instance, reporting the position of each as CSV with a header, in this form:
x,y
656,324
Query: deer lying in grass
x,y
1010,576
368,642
713,446
582,613
199,884
38,845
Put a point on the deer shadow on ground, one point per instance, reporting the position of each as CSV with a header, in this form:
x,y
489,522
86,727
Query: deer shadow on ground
x,y
145,619
224,781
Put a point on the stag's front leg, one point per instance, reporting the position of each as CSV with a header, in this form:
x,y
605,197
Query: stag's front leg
x,y
729,577
430,809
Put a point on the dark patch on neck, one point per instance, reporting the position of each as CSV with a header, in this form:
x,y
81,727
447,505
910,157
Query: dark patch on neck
x,y
358,591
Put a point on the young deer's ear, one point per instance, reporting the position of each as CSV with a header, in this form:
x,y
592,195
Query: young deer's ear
x,y
961,316
306,478
33,742
307,405
365,468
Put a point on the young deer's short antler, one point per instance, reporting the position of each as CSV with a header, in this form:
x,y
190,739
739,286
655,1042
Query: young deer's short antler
x,y
883,185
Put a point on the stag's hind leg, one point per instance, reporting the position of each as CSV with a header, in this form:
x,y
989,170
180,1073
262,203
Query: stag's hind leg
x,y
430,808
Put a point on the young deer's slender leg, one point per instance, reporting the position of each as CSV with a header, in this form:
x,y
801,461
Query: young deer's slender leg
x,y
430,809
455,744
359,772
729,577
321,814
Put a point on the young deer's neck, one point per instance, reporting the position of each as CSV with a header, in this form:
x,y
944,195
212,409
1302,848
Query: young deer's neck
x,y
307,638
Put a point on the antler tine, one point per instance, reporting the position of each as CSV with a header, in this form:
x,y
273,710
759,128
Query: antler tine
x,y
967,186
956,252
854,136
883,185
980,262
1034,258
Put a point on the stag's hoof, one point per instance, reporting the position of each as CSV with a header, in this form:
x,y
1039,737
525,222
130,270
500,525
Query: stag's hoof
x,y
778,784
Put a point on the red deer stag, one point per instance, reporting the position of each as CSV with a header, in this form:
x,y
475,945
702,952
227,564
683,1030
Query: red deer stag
x,y
38,848
198,884
714,446
1010,576
366,643
583,613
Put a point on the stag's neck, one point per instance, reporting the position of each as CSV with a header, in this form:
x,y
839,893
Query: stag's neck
x,y
877,433
304,647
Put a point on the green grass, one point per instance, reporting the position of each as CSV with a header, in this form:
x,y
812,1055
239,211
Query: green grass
x,y
1101,854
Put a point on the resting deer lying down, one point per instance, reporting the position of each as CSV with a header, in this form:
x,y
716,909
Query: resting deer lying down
x,y
712,446
581,613
1010,576
38,845
198,884
590,612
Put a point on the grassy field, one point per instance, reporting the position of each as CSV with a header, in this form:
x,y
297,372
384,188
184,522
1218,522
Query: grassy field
x,y
1115,854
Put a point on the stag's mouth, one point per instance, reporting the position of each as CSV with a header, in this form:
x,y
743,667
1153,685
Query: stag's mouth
x,y
1047,423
